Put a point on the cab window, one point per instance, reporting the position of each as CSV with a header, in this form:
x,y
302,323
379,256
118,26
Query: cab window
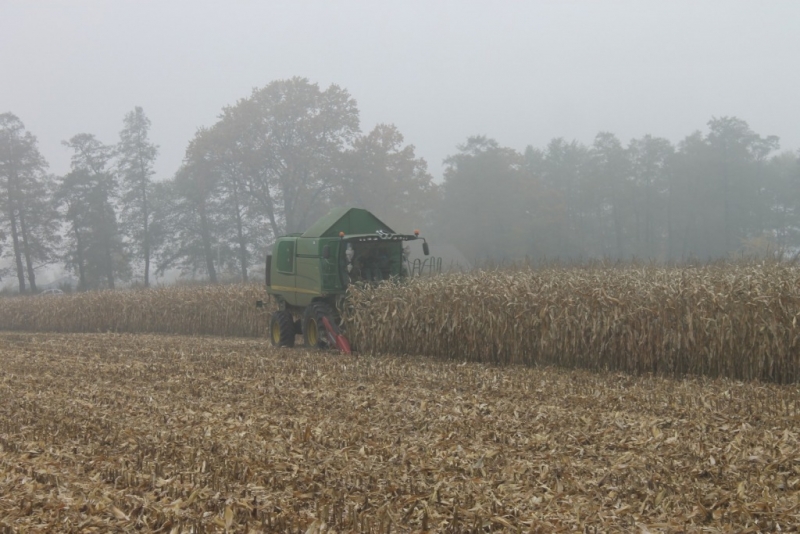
x,y
286,257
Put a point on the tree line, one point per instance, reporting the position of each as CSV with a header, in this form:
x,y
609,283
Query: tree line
x,y
724,193
279,158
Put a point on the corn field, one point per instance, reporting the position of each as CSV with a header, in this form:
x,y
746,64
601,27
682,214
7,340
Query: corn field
x,y
738,321
226,310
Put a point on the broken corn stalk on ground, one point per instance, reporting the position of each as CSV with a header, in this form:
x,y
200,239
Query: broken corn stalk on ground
x,y
738,321
122,433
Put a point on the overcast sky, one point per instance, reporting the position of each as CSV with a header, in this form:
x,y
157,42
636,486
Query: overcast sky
x,y
520,72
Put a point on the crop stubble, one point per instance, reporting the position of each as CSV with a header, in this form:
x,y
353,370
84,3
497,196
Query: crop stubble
x,y
138,432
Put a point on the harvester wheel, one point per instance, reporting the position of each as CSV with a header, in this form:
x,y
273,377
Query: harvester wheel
x,y
281,329
314,333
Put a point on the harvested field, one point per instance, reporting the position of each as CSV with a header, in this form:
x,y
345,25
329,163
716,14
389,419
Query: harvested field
x,y
104,432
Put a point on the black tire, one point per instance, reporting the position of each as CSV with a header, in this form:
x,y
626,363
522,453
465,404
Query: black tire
x,y
314,333
281,329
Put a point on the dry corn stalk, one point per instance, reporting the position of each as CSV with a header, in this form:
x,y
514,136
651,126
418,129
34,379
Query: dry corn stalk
x,y
227,310
738,321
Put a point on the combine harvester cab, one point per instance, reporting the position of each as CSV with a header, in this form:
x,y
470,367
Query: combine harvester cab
x,y
308,274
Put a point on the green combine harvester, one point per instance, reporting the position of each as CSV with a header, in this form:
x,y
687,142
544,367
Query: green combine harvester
x,y
308,274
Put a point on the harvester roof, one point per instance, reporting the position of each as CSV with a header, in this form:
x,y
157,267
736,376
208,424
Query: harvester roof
x,y
347,220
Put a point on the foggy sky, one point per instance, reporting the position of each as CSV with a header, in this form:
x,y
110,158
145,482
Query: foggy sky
x,y
520,72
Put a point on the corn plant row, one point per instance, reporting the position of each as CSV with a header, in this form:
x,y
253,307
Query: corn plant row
x,y
227,310
738,321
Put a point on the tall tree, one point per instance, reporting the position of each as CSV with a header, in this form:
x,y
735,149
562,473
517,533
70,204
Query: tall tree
x,y
72,197
693,206
88,192
189,213
382,175
25,200
651,160
611,173
482,203
270,166
136,156
783,191
296,134
565,173
245,228
738,156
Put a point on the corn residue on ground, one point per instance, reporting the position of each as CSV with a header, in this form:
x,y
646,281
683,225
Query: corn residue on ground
x,y
104,432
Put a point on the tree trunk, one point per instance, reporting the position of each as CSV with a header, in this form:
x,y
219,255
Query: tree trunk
x,y
12,184
670,229
79,254
288,210
109,267
17,251
266,202
617,227
240,233
205,234
26,249
146,237
109,239
146,220
726,200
